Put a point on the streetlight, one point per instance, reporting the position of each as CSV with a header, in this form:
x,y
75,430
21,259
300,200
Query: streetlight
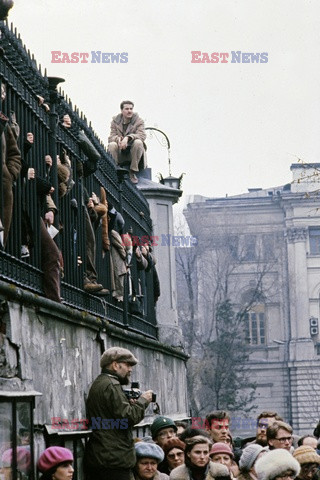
x,y
170,181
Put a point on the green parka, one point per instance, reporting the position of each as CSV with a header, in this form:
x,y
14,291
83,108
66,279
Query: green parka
x,y
112,417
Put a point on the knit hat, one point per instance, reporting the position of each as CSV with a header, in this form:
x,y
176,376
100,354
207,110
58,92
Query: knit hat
x,y
220,447
149,450
161,422
171,443
249,456
23,459
117,354
305,454
274,463
52,457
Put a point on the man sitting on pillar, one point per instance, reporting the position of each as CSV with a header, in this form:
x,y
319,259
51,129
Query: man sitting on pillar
x,y
126,140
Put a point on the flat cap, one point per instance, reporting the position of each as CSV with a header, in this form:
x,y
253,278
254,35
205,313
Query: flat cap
x,y
117,354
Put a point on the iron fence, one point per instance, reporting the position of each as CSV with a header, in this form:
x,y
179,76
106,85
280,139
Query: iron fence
x,y
34,102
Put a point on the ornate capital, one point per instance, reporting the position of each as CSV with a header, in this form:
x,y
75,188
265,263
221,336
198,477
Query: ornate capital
x,y
297,234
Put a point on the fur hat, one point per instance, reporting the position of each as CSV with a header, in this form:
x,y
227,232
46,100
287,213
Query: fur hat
x,y
276,462
149,450
306,454
249,456
217,470
171,443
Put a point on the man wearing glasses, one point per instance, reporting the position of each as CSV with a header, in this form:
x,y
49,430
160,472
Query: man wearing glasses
x,y
162,429
279,435
265,420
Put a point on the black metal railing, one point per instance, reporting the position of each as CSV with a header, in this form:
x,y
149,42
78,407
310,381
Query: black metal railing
x,y
28,93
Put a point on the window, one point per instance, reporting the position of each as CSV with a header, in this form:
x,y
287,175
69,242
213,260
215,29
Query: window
x,y
16,434
233,245
268,245
249,248
255,326
314,240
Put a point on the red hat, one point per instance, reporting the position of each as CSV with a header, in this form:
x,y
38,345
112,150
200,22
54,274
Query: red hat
x,y
23,459
220,447
52,457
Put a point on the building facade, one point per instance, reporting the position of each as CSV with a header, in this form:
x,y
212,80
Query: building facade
x,y
272,264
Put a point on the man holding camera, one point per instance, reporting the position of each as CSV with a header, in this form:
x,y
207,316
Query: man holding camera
x,y
110,452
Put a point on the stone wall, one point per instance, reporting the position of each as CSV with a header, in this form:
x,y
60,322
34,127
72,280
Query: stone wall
x,y
56,351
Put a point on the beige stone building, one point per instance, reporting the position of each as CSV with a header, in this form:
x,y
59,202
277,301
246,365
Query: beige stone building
x,y
273,239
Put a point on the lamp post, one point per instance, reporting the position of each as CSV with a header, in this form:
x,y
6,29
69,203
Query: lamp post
x,y
170,181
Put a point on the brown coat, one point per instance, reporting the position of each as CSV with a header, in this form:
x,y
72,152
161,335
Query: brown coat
x,y
135,129
102,211
11,166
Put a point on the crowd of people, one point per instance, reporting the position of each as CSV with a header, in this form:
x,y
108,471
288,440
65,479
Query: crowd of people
x,y
176,450
179,451
194,454
127,147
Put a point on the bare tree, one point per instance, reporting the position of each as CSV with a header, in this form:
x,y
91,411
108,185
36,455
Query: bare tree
x,y
213,318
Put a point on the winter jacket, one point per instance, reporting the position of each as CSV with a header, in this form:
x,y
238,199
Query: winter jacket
x,y
213,470
112,418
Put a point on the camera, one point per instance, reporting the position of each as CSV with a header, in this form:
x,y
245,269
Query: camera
x,y
134,392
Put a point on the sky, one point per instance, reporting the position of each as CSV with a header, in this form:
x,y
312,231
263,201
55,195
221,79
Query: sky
x,y
231,126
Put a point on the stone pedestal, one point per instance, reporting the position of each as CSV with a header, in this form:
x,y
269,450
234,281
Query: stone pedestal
x,y
161,199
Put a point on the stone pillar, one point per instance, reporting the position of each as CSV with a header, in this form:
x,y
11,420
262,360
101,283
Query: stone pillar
x,y
161,199
298,281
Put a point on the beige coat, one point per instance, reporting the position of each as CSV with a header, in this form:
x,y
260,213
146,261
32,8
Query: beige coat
x,y
215,470
118,265
135,131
